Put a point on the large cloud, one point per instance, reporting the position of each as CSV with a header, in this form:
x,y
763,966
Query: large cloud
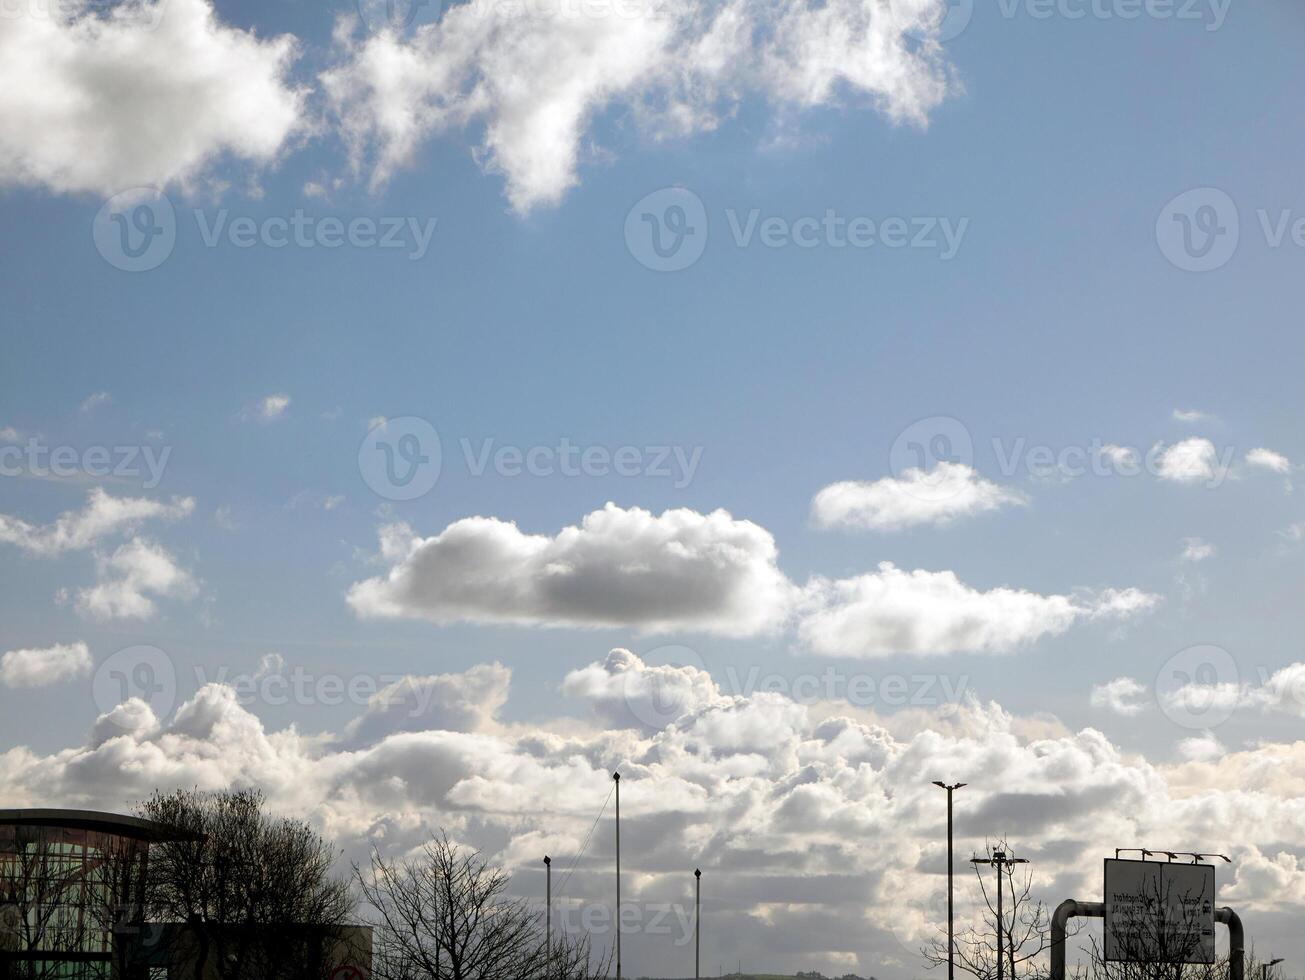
x,y
940,496
680,570
922,612
535,74
817,815
147,93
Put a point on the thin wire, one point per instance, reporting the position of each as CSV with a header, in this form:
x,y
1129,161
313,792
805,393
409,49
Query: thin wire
x,y
583,846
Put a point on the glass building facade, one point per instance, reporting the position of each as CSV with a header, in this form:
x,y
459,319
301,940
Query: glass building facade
x,y
71,893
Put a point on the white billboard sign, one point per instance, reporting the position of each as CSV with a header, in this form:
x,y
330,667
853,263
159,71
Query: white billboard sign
x,y
1159,912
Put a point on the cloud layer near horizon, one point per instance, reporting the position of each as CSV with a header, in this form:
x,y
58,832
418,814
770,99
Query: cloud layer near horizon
x,y
778,801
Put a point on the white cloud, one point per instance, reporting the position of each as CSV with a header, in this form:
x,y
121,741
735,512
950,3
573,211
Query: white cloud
x,y
129,577
1190,415
102,517
465,702
1282,692
1197,550
1269,460
536,74
1123,696
97,400
939,496
45,666
627,693
678,571
105,99
9,434
933,613
1190,461
1201,748
270,408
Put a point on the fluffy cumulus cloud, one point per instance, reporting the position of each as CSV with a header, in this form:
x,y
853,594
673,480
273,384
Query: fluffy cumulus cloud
x,y
939,496
824,817
533,75
465,702
102,100
1269,460
684,570
625,692
45,666
922,612
1191,461
618,567
131,578
103,516
1123,696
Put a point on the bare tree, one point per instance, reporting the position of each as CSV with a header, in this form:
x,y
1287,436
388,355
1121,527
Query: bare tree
x,y
447,915
41,892
1025,933
257,894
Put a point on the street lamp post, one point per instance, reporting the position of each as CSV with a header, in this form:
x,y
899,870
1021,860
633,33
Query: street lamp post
x,y
951,885
697,919
1001,862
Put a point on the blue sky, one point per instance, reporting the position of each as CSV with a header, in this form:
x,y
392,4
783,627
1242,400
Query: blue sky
x,y
1061,320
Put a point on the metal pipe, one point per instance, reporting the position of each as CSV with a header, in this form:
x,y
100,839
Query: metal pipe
x,y
548,898
1236,942
617,777
1065,911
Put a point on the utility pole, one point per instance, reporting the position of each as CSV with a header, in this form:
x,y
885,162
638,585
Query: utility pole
x,y
697,920
951,883
548,898
1001,862
617,777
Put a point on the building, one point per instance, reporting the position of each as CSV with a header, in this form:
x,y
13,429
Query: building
x,y
72,906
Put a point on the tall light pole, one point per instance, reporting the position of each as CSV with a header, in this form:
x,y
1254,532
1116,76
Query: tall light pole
x,y
617,777
951,882
548,918
1264,968
1001,862
697,919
